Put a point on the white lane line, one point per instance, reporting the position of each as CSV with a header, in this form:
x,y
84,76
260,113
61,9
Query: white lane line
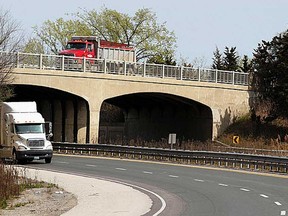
x,y
198,180
244,189
122,169
264,196
278,203
283,213
173,176
90,165
62,162
146,172
224,185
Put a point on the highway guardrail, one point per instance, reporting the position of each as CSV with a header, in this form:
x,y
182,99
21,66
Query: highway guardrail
x,y
219,159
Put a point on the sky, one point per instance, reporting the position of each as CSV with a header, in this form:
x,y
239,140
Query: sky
x,y
199,25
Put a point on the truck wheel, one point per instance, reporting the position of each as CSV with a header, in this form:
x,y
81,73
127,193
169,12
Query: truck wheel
x,y
29,160
16,160
14,157
48,160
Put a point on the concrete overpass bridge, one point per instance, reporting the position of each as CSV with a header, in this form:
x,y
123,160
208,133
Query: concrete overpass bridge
x,y
91,101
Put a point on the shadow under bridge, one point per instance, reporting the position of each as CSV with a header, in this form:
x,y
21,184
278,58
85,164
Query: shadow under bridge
x,y
148,117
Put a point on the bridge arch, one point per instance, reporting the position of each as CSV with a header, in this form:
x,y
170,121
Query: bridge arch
x,y
69,113
150,116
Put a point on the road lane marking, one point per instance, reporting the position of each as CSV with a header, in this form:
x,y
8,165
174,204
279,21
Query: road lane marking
x,y
278,203
122,169
90,165
173,176
244,189
264,196
62,162
198,180
283,213
181,165
146,172
224,185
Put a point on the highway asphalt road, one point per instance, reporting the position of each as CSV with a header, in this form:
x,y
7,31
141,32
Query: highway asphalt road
x,y
187,190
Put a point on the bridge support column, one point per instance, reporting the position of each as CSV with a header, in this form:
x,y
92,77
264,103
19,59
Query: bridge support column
x,y
94,120
57,124
69,121
81,122
94,126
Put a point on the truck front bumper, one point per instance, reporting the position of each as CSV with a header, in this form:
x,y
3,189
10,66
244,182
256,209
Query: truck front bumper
x,y
34,154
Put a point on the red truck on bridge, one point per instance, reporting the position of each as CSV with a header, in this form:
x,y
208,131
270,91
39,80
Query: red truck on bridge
x,y
93,47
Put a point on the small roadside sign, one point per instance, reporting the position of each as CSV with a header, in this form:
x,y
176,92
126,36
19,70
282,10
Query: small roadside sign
x,y
172,138
236,139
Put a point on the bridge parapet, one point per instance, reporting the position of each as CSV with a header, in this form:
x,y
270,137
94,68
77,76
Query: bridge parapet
x,y
106,66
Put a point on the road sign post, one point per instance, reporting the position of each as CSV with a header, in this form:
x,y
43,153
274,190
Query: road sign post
x,y
172,139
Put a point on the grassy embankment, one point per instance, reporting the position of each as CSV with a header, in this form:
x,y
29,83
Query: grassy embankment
x,y
258,135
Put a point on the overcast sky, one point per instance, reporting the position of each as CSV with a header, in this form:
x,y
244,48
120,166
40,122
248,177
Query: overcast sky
x,y
199,25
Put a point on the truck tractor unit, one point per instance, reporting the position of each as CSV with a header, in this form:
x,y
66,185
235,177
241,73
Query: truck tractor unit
x,y
91,48
22,133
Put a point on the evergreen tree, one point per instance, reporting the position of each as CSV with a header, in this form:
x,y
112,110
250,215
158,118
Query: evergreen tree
x,y
270,77
217,60
246,64
230,59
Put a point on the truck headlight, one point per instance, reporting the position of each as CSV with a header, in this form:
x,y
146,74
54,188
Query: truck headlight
x,y
49,147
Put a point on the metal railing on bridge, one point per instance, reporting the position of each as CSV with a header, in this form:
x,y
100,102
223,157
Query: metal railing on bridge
x,y
105,66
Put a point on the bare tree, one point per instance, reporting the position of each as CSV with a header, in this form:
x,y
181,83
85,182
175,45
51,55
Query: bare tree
x,y
10,38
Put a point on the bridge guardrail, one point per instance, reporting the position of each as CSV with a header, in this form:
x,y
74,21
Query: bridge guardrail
x,y
106,66
220,159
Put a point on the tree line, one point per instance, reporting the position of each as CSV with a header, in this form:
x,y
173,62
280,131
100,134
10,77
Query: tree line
x,y
154,42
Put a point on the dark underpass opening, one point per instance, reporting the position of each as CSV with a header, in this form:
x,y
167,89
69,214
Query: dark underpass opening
x,y
152,117
68,113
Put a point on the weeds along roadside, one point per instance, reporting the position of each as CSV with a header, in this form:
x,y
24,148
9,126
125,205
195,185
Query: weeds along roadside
x,y
14,181
10,183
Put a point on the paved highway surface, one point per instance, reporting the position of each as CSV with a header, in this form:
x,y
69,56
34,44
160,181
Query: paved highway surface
x,y
188,191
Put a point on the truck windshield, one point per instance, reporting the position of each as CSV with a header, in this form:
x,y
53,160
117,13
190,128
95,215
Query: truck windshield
x,y
78,46
29,128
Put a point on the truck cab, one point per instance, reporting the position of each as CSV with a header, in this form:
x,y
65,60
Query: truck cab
x,y
79,48
22,132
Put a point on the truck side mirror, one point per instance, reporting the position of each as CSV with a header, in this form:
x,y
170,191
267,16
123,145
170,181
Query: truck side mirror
x,y
49,136
48,129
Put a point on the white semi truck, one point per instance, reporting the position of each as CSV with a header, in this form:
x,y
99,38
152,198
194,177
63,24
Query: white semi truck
x,y
22,133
